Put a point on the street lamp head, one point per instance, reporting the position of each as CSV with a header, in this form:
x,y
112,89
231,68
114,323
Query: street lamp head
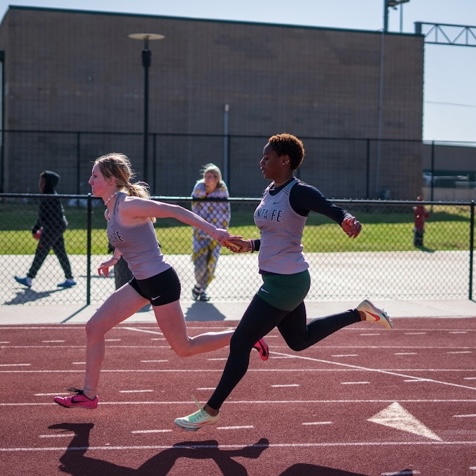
x,y
146,36
395,3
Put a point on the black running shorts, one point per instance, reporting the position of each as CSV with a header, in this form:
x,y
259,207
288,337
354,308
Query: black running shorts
x,y
160,289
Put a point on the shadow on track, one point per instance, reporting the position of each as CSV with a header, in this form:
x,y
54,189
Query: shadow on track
x,y
75,462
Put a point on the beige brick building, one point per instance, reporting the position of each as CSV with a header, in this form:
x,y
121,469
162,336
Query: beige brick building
x,y
73,89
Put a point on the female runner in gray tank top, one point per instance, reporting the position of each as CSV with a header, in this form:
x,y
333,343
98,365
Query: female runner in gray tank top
x,y
130,215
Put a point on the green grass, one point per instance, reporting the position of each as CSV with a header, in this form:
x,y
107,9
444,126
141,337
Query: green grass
x,y
447,229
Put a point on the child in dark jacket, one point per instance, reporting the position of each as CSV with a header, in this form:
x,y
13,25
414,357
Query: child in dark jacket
x,y
48,230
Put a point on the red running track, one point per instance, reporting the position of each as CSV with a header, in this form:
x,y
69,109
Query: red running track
x,y
365,401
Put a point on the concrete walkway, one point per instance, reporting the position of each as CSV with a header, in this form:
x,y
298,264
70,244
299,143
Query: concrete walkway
x,y
232,311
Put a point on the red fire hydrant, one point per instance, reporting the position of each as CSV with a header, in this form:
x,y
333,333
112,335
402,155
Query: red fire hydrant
x,y
420,215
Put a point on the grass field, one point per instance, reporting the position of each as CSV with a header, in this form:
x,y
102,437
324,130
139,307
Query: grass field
x,y
447,229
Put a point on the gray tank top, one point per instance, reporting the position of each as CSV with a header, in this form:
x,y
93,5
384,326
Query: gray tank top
x,y
138,244
281,229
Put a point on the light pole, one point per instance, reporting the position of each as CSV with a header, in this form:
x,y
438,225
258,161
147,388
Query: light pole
x,y
146,62
391,3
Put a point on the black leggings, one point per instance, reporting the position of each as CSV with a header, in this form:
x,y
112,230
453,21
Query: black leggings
x,y
55,242
261,318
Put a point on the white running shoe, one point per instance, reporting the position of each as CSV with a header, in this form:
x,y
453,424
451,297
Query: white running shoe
x,y
195,421
374,314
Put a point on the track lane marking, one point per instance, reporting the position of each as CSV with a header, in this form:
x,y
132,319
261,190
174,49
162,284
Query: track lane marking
x,y
136,391
259,402
405,472
234,446
385,372
398,417
140,432
15,365
242,427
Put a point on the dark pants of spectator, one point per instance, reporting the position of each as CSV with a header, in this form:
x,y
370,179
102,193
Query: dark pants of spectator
x,y
48,242
418,237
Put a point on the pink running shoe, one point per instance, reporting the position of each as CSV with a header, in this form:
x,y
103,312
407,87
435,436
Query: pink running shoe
x,y
77,401
263,349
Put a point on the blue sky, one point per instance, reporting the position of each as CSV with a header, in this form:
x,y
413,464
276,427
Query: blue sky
x,y
450,100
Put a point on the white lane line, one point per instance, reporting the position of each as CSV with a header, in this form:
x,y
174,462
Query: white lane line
x,y
135,391
206,388
112,340
240,446
405,353
82,347
154,361
143,432
405,472
61,435
78,363
473,415
5,342
345,355
416,379
15,365
384,372
459,352
312,423
50,394
469,378
261,402
458,332
134,329
285,385
260,370
217,358
59,341
354,383
414,333
244,427
373,334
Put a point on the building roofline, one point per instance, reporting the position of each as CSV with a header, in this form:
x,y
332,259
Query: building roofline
x,y
208,20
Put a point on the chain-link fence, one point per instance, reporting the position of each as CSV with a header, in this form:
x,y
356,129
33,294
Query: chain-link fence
x,y
360,168
382,263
